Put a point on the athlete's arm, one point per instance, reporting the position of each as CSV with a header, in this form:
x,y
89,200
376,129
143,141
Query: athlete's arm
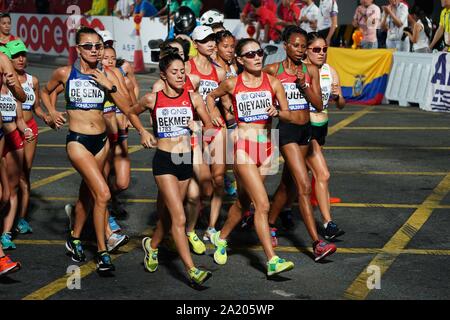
x,y
225,87
284,113
148,140
437,36
12,80
130,74
57,81
200,108
336,90
21,125
37,103
313,92
122,85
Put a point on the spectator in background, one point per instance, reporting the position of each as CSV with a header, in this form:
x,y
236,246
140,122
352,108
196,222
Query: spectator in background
x,y
195,5
421,31
5,29
99,8
367,19
249,10
42,6
328,20
145,8
395,19
309,17
124,9
289,12
232,9
444,27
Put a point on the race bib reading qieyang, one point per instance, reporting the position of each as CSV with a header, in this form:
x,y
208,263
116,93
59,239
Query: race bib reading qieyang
x,y
173,121
251,106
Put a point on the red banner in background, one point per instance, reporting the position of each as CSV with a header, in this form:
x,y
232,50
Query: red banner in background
x,y
55,6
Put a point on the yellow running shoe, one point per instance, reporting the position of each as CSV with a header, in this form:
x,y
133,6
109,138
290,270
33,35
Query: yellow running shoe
x,y
198,276
196,244
220,255
277,265
151,255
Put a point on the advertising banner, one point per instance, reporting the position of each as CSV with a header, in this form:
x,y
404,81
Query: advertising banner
x,y
440,84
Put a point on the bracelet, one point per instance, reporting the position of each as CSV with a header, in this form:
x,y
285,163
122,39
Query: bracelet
x,y
27,129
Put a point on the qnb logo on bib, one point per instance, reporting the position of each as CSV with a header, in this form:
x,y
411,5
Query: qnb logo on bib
x,y
173,121
296,100
206,86
8,108
85,94
251,106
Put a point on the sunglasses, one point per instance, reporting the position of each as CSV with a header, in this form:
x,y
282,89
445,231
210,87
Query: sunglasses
x,y
89,46
318,49
253,54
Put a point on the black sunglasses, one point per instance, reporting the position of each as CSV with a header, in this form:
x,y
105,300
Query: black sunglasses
x,y
253,54
89,46
318,49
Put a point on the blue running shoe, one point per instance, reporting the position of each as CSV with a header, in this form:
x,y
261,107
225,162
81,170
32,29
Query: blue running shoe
x,y
23,227
104,263
113,225
6,241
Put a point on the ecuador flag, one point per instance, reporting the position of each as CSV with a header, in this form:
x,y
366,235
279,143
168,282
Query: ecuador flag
x,y
363,73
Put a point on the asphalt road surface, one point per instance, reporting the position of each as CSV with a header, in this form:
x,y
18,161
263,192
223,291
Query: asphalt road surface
x,y
390,166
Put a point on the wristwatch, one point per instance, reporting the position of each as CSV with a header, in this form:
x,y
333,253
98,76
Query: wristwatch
x,y
113,89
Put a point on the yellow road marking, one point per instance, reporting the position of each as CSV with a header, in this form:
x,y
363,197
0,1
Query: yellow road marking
x,y
85,270
52,179
332,130
359,290
39,242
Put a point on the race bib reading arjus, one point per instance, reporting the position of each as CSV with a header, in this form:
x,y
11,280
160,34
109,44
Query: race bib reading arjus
x,y
251,106
85,94
173,121
296,100
8,108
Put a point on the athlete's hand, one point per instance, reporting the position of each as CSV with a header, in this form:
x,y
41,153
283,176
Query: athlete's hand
x,y
194,126
58,119
216,118
147,139
272,111
10,80
29,135
101,79
301,78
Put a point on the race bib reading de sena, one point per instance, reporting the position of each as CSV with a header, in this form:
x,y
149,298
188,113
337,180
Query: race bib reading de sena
x,y
85,93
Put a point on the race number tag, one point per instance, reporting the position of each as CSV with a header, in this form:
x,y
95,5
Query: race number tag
x,y
296,100
206,86
251,106
8,107
173,121
31,97
85,94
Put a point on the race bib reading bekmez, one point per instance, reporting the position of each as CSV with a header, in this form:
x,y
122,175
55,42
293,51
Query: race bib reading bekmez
x,y
173,121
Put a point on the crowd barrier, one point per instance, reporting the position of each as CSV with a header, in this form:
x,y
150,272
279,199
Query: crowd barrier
x,y
409,80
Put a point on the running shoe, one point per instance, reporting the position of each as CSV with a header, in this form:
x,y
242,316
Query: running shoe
x,y
322,249
74,247
70,211
196,244
23,227
198,276
6,241
220,255
287,220
230,186
273,235
151,255
209,233
115,241
247,220
332,231
277,265
113,224
104,263
8,266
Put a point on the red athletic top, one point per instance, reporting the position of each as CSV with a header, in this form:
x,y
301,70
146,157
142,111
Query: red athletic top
x,y
250,104
296,99
208,82
188,86
171,116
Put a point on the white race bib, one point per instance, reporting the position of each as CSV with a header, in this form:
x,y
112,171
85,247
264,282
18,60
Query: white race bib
x,y
206,86
8,107
296,100
173,121
251,106
85,94
31,97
